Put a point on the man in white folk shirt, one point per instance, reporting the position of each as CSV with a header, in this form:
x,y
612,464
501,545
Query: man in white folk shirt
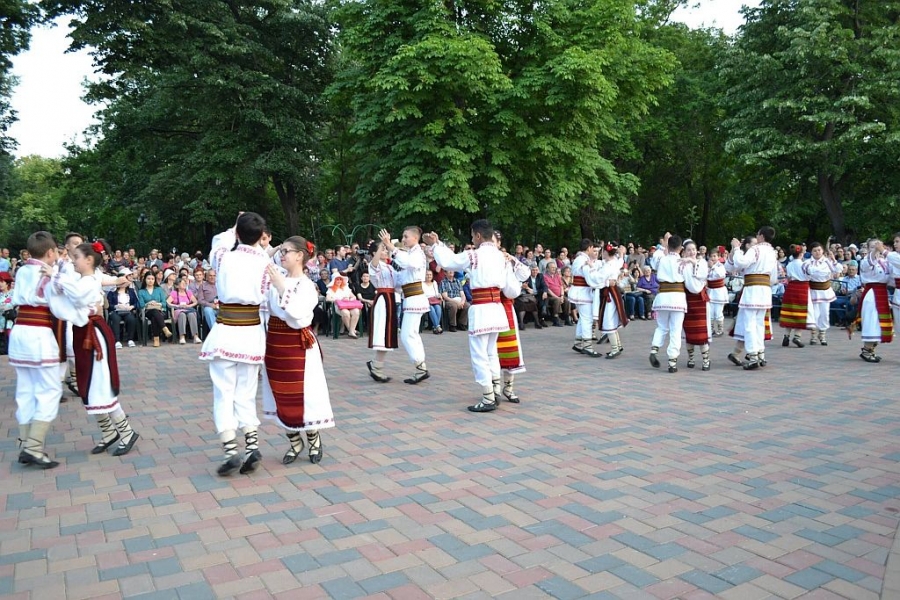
x,y
487,270
412,264
760,266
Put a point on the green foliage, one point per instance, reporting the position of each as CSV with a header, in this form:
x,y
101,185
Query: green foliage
x,y
499,109
32,200
211,107
812,90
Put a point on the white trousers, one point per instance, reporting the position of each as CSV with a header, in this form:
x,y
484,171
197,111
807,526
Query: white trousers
x,y
584,329
234,394
37,394
410,338
716,311
669,323
754,329
485,360
821,315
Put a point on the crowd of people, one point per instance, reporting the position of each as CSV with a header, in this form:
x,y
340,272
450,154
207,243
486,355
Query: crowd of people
x,y
258,306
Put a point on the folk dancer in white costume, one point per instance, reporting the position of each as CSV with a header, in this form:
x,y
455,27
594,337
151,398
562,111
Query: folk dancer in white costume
x,y
78,299
893,259
34,352
760,266
487,268
412,264
670,304
509,342
611,314
383,313
874,309
797,312
718,294
821,269
235,347
697,327
295,394
581,295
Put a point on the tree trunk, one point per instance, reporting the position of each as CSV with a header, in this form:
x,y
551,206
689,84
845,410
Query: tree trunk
x,y
287,195
831,197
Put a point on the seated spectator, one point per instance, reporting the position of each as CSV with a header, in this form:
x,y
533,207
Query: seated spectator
x,y
435,309
116,262
152,301
557,303
167,283
454,302
634,301
529,301
345,303
546,259
647,285
567,279
365,291
123,305
323,283
184,303
849,292
7,310
204,288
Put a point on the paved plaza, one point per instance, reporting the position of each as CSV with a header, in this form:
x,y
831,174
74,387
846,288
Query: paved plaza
x,y
611,480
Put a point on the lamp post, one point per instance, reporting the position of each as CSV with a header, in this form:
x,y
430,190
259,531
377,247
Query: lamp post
x,y
142,222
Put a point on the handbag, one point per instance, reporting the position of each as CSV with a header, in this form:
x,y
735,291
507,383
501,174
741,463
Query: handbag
x,y
348,304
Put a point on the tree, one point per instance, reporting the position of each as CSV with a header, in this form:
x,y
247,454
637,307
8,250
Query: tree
x,y
212,105
814,90
499,109
16,19
33,201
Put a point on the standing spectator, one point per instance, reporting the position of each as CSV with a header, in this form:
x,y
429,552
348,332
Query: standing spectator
x,y
116,262
546,260
155,260
454,301
340,263
562,259
5,266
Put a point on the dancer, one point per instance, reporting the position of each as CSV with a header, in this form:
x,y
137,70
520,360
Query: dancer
x,y
509,343
796,304
78,299
235,347
581,295
412,266
383,314
295,393
670,304
718,293
893,259
611,311
821,269
874,309
487,319
696,320
34,352
760,266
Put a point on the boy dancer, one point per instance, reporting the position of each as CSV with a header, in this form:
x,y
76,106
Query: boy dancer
x,y
670,303
760,266
581,294
34,352
487,319
235,347
412,263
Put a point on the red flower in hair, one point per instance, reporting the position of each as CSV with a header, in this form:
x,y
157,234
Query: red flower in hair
x,y
98,247
310,248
